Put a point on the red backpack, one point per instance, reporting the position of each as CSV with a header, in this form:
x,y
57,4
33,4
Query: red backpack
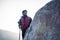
x,y
25,21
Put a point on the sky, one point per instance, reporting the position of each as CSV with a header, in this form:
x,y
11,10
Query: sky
x,y
11,12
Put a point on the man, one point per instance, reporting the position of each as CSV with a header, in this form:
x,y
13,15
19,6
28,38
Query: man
x,y
24,22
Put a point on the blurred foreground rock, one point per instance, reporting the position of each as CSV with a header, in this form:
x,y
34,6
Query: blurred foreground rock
x,y
46,23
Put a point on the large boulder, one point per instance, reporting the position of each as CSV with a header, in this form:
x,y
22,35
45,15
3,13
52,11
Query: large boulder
x,y
46,23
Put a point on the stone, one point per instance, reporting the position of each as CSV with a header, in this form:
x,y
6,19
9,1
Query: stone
x,y
46,23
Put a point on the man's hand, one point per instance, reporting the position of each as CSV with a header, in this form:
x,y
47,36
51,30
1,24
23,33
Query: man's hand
x,y
19,27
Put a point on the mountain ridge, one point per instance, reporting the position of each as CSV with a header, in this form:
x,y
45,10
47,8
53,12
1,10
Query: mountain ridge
x,y
7,35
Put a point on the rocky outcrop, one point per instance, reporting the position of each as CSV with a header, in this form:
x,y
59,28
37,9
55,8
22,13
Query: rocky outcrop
x,y
46,23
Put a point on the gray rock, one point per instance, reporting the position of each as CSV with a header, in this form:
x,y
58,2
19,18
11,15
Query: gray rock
x,y
46,23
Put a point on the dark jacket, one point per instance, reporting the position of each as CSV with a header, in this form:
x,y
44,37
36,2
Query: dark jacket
x,y
23,21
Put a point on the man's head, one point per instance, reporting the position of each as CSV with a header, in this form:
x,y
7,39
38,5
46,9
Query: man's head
x,y
24,12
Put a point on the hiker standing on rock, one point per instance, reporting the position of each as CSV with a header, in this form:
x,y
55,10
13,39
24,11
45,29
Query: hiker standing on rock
x,y
24,22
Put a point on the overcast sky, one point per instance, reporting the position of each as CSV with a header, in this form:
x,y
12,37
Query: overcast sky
x,y
10,12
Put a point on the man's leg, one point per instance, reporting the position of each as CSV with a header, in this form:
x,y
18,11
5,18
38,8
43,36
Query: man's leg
x,y
23,33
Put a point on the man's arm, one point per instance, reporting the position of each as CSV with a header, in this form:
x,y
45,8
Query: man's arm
x,y
30,20
19,23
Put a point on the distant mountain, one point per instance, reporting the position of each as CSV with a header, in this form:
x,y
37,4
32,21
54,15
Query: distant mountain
x,y
6,35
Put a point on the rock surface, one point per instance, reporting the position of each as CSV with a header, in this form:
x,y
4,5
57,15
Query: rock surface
x,y
46,23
